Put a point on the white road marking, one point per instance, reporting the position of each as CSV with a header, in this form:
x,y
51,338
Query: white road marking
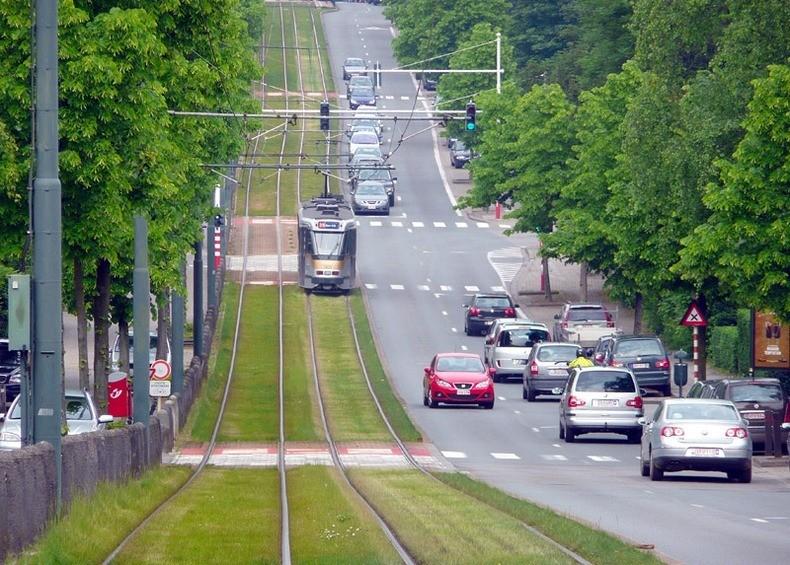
x,y
698,506
464,348
439,225
445,288
603,458
454,330
554,457
262,221
424,287
375,223
556,445
417,224
398,198
482,225
759,520
397,224
506,262
406,98
506,456
371,286
454,454
389,97
444,312
501,398
471,288
505,226
648,491
396,286
461,225
516,411
498,288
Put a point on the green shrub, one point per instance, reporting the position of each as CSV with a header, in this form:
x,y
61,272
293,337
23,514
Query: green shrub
x,y
744,321
663,312
723,350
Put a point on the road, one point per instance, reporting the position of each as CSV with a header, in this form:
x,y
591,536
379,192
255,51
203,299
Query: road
x,y
417,265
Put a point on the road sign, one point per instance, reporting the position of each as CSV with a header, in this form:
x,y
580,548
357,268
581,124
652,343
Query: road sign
x,y
159,373
693,316
771,342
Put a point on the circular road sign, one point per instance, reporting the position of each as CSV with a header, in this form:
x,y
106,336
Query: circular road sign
x,y
160,370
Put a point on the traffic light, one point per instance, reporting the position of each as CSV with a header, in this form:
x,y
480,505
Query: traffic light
x,y
324,116
471,110
219,221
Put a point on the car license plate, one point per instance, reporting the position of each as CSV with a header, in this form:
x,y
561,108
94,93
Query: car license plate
x,y
640,365
604,402
754,415
464,392
488,322
703,452
519,361
558,372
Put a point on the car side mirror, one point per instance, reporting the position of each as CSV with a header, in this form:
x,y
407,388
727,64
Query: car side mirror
x,y
106,419
2,417
642,392
642,421
491,372
556,316
466,306
427,370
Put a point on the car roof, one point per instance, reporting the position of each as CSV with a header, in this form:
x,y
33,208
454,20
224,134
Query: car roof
x,y
522,324
585,306
458,354
605,369
491,295
560,343
762,380
673,401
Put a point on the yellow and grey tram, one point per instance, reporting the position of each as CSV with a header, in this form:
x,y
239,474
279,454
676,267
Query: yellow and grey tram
x,y
327,245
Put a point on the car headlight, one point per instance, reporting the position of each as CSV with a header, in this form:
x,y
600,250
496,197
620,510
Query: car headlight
x,y
353,101
482,384
15,379
443,383
10,436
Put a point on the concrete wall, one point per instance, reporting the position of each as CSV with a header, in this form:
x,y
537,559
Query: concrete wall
x,y
27,476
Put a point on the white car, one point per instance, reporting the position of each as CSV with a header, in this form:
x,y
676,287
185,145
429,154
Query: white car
x,y
365,139
81,417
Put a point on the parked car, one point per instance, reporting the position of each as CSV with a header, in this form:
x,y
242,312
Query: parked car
x,y
153,343
10,372
367,139
697,390
584,324
361,96
354,66
429,81
509,349
460,154
379,174
81,417
645,356
370,197
695,434
484,309
359,80
546,369
601,399
457,378
754,398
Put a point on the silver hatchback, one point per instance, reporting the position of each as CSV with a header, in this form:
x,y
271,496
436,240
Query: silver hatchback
x,y
508,349
696,434
546,368
601,399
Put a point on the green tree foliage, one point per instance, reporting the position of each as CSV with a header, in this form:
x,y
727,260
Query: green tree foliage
x,y
745,240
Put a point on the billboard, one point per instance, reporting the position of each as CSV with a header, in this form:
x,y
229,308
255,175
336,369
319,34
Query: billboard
x,y
771,342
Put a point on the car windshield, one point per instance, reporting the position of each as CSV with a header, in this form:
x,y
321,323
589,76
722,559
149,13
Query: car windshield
x,y
692,411
604,381
459,146
77,408
327,243
360,81
366,137
354,62
754,392
371,189
364,91
492,302
459,365
587,315
374,174
558,353
638,347
523,337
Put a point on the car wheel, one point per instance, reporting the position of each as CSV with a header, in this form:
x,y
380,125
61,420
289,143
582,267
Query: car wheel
x,y
562,431
466,329
431,402
570,435
656,474
667,390
531,395
488,405
424,398
744,476
392,200
523,392
644,468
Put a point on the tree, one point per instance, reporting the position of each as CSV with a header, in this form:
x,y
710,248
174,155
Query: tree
x,y
745,240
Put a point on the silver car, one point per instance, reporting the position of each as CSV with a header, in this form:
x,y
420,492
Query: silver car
x,y
507,351
370,197
81,417
601,399
546,368
696,434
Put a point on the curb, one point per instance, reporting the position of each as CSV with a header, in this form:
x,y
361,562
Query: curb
x,y
770,462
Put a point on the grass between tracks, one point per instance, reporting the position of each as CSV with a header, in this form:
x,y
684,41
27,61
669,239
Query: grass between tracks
x,y
93,525
392,406
225,516
329,524
595,545
439,525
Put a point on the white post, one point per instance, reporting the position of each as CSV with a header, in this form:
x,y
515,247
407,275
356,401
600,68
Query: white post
x,y
695,352
498,63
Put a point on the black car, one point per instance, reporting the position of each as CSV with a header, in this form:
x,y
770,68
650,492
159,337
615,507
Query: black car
x,y
484,309
382,175
361,96
429,81
10,372
644,355
460,154
754,399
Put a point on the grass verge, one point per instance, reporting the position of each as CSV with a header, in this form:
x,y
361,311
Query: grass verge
x,y
252,411
108,514
225,516
440,525
302,421
595,545
203,415
392,406
351,413
328,524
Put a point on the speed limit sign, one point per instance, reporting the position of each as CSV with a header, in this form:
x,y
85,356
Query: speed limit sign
x,y
159,374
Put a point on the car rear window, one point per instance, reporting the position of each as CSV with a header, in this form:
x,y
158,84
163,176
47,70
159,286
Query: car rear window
x,y
492,302
371,189
459,365
587,315
558,353
355,63
522,337
702,412
754,392
365,137
604,381
638,347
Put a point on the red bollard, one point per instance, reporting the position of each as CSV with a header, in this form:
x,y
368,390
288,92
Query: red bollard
x,y
498,211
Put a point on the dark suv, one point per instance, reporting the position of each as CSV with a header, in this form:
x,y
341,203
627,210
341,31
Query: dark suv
x,y
484,309
753,399
644,355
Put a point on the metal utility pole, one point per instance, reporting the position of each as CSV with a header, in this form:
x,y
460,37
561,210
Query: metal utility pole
x,y
47,255
211,279
177,318
141,306
197,306
498,63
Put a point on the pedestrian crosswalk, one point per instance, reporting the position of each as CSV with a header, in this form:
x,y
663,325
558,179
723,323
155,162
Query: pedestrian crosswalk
x,y
402,223
437,289
545,457
506,262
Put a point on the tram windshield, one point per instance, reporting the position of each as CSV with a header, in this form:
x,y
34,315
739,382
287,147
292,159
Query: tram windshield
x,y
327,243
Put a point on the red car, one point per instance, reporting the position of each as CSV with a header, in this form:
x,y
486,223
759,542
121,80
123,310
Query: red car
x,y
458,378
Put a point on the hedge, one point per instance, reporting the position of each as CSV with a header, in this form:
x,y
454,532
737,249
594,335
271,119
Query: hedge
x,y
723,350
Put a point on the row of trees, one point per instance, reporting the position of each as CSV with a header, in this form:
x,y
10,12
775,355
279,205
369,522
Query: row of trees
x,y
652,146
123,65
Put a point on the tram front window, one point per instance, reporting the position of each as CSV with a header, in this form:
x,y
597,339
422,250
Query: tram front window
x,y
327,244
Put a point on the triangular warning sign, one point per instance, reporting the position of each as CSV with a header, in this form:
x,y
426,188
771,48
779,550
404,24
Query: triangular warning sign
x,y
693,316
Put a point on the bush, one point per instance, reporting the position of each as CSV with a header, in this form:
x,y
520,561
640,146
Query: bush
x,y
723,350
662,313
744,321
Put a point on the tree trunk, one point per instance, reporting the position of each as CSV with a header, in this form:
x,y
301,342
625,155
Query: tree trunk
x,y
82,324
101,337
638,313
163,324
123,342
583,280
546,278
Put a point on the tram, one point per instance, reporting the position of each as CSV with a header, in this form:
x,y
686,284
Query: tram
x,y
327,245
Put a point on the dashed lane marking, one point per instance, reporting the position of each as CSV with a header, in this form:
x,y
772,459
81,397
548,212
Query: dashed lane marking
x,y
444,312
439,225
759,520
371,286
506,456
554,457
461,225
445,288
397,224
471,288
501,398
454,330
375,223
424,287
464,348
417,224
397,287
454,454
482,225
603,459
536,430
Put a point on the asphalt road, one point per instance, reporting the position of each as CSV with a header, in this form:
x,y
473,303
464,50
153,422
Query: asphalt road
x,y
417,265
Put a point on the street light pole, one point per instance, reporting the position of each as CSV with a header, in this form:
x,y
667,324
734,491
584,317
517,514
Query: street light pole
x,y
197,305
47,240
141,307
498,62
